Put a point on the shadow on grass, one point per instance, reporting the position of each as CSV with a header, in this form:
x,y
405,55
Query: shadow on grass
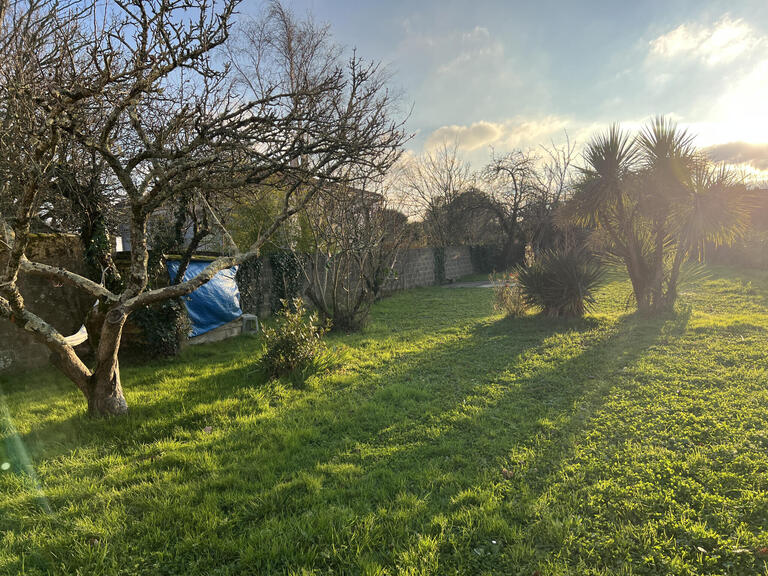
x,y
409,443
446,467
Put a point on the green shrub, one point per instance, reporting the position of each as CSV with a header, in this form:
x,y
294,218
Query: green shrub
x,y
488,258
561,282
294,346
166,327
507,295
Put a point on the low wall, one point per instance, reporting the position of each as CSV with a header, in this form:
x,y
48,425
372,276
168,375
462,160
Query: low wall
x,y
62,306
65,307
418,267
413,268
458,262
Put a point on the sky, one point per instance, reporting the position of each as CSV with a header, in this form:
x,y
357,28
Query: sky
x,y
511,74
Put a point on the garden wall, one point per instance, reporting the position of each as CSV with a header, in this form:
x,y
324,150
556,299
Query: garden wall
x,y
414,268
65,307
62,306
419,267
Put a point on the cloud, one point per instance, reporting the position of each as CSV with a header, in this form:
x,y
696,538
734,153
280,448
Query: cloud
x,y
462,79
724,41
467,137
712,75
512,133
736,153
474,46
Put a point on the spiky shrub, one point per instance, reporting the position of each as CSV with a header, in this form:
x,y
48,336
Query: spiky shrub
x,y
561,283
507,296
294,346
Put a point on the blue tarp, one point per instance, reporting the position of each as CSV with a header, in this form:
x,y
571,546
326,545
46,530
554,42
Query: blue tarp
x,y
213,304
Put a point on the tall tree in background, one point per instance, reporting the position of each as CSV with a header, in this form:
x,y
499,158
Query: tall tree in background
x,y
142,92
525,187
512,180
432,183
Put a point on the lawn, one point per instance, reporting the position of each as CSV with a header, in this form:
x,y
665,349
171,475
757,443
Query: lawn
x,y
453,441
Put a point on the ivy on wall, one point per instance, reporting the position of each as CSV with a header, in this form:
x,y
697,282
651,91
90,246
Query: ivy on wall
x,y
439,255
165,324
287,275
248,282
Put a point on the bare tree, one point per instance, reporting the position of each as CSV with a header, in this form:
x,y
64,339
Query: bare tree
x,y
543,229
432,182
139,88
356,236
525,188
512,181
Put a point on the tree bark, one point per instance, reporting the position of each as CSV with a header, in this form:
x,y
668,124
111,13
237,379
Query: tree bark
x,y
640,285
671,295
105,391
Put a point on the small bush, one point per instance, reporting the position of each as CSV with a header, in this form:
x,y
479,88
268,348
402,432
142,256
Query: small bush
x,y
561,282
507,295
166,327
294,346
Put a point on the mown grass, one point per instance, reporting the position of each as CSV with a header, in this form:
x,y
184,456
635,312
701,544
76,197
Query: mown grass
x,y
454,441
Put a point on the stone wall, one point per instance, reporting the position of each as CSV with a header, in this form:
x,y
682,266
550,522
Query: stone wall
x,y
62,306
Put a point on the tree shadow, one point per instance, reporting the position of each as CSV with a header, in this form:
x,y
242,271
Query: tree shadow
x,y
518,424
285,445
414,436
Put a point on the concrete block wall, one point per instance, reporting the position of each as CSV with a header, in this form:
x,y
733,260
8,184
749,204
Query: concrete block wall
x,y
413,268
416,267
458,262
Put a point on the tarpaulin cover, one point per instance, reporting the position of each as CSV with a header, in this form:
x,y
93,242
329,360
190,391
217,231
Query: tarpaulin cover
x,y
213,304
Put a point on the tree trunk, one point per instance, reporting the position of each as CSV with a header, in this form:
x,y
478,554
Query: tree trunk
x,y
105,392
640,285
642,295
671,296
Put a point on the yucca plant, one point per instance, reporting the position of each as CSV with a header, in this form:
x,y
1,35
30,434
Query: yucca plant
x,y
561,282
654,199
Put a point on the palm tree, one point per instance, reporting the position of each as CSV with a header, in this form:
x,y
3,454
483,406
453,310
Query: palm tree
x,y
606,199
715,209
667,158
654,199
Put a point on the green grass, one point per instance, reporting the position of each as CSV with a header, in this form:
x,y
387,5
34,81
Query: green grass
x,y
473,278
453,442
